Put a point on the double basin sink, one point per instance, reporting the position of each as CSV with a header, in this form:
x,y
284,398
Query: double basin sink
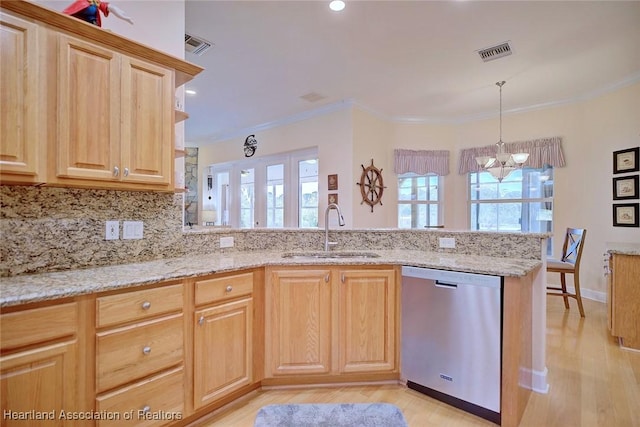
x,y
329,254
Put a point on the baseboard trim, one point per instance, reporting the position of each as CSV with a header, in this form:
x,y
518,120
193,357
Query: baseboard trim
x,y
539,381
589,294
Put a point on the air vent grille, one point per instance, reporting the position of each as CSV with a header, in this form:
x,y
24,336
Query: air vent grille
x,y
495,52
196,45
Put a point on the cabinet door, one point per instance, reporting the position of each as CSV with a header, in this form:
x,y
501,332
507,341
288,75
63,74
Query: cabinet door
x,y
298,322
147,122
39,381
625,276
19,119
223,354
88,130
367,321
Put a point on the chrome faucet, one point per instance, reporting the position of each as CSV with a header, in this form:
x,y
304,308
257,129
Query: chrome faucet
x,y
327,243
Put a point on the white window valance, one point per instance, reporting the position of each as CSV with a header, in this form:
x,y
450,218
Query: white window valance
x,y
543,151
421,162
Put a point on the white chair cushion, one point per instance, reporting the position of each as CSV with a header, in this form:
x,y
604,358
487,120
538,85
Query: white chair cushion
x,y
560,265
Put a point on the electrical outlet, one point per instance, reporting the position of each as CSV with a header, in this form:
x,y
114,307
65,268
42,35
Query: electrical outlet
x,y
226,242
112,230
132,230
447,242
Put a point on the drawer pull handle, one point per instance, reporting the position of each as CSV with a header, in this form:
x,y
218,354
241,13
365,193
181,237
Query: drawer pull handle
x,y
229,288
126,171
146,409
146,350
116,171
201,321
146,305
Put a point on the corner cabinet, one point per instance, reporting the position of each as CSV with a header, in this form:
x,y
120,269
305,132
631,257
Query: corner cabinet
x,y
331,322
98,106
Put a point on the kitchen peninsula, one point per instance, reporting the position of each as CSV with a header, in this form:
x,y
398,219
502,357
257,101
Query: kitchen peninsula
x,y
177,309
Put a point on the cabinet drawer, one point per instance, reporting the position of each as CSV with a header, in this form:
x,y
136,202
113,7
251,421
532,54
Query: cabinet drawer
x,y
37,325
161,396
137,305
221,288
134,351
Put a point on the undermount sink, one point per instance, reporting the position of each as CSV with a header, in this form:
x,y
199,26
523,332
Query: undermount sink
x,y
323,254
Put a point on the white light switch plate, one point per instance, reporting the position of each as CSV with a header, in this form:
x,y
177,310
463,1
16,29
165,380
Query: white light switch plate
x,y
132,230
447,242
226,242
112,230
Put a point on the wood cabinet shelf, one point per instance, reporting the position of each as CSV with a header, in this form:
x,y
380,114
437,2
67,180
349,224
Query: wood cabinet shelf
x,y
180,116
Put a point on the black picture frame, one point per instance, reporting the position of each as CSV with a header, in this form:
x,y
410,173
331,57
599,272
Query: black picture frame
x,y
626,215
626,160
625,187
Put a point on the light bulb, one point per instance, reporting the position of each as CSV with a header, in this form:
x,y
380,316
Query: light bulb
x,y
336,5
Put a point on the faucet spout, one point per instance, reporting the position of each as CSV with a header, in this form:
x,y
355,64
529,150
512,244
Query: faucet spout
x,y
327,243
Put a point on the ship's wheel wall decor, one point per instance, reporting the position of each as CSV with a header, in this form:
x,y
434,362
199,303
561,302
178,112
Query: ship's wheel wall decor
x,y
371,185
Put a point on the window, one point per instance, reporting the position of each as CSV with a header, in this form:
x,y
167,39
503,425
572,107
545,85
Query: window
x,y
521,202
275,191
308,193
275,196
418,200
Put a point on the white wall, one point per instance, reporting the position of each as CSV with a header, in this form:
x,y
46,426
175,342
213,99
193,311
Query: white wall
x,y
331,133
158,24
591,131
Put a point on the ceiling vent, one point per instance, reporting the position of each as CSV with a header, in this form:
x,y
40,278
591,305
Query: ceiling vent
x,y
196,45
495,52
313,97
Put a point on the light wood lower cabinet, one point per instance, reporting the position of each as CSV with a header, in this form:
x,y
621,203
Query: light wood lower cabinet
x,y
331,321
623,298
222,337
38,365
139,355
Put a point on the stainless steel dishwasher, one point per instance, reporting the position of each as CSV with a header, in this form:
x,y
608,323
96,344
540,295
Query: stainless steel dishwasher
x,y
452,338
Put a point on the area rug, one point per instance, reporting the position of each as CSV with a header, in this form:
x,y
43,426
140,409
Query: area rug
x,y
331,415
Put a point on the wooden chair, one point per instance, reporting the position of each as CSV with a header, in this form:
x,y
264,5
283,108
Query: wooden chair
x,y
569,264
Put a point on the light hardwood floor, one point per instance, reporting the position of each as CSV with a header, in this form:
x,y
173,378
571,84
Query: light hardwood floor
x,y
593,383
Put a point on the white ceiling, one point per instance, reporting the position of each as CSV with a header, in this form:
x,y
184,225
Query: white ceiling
x,y
402,60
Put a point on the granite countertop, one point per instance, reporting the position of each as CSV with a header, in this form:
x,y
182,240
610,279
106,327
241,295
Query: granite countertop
x,y
48,286
623,248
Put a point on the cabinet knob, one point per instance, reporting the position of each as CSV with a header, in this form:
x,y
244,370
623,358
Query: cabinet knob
x,y
116,171
146,409
326,278
229,288
201,321
126,172
146,350
146,305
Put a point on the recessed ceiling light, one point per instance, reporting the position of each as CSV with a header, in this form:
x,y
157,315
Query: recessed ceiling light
x,y
190,92
336,5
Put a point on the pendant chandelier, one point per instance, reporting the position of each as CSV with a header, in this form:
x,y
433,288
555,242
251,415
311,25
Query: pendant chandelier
x,y
503,163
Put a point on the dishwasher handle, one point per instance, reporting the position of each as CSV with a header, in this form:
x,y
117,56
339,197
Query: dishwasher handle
x,y
446,285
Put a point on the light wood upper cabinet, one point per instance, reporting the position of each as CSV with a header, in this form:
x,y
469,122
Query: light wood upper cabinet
x,y
116,118
20,123
367,320
84,107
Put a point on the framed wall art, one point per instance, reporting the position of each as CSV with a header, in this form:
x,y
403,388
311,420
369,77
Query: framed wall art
x,y
626,215
333,198
626,160
625,187
332,182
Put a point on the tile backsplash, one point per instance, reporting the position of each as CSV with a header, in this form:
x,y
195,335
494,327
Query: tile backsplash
x,y
51,229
